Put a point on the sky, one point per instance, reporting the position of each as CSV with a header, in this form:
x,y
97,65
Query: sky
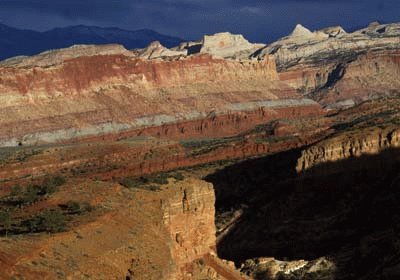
x,y
257,20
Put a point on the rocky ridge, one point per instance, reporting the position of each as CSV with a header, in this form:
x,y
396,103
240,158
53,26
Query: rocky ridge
x,y
54,57
306,47
156,50
346,146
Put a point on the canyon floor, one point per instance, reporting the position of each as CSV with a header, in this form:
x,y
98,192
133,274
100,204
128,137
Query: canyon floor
x,y
216,159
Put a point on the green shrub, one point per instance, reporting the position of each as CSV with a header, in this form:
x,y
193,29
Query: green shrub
x,y
5,221
47,189
178,176
142,182
154,188
52,220
33,192
16,191
85,206
33,224
130,182
161,179
50,184
73,207
30,195
58,180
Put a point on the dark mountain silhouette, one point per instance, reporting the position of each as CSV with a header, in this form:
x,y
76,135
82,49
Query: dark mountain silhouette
x,y
15,41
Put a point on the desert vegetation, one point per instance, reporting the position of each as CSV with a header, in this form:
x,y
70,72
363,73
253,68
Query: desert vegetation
x,y
151,182
14,221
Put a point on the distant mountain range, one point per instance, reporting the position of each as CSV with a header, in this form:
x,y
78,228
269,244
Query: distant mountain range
x,y
14,42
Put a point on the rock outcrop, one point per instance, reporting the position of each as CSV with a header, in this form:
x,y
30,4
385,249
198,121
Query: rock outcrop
x,y
156,50
227,45
335,31
189,217
370,142
270,268
221,45
301,33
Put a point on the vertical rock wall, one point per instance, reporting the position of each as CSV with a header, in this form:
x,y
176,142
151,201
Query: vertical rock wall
x,y
189,218
346,146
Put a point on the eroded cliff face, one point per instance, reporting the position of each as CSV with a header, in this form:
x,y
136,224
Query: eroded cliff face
x,y
189,218
129,234
336,68
364,142
347,81
86,74
97,95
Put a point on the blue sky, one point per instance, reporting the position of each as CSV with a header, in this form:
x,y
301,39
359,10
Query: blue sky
x,y
258,20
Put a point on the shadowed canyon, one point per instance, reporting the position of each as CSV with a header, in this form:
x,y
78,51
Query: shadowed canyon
x,y
214,159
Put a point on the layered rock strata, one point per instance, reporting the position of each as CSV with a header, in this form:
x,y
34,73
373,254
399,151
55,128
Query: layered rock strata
x,y
306,47
97,95
90,91
336,68
227,45
369,142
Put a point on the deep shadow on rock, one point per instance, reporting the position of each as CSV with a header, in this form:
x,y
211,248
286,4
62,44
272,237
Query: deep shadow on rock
x,y
348,211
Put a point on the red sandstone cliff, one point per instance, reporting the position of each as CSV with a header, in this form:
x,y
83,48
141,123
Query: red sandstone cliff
x,y
95,95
